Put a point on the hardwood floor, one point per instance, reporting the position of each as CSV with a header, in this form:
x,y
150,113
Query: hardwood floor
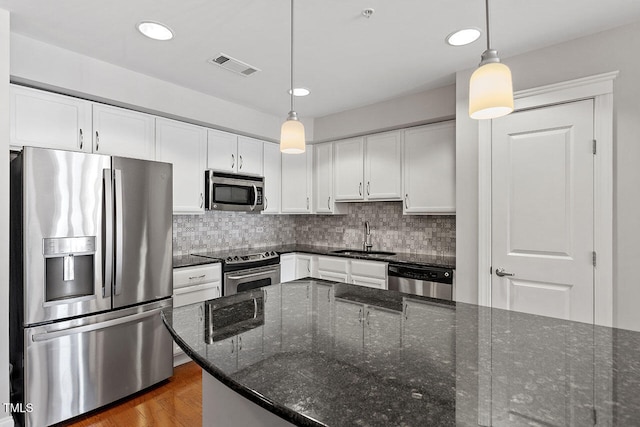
x,y
177,402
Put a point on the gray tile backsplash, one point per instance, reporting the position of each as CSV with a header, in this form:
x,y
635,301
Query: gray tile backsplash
x,y
390,230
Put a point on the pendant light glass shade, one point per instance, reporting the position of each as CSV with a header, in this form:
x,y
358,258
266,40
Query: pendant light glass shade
x,y
490,86
292,131
490,92
292,135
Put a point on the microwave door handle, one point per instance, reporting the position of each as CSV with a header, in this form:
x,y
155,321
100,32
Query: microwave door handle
x,y
107,255
255,197
119,230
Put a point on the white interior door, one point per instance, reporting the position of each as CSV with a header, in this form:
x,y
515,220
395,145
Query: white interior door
x,y
542,211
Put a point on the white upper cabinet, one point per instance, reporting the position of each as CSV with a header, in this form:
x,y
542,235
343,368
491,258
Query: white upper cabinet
x,y
429,159
349,169
250,155
222,151
47,120
185,146
272,173
121,132
323,200
369,168
233,153
383,166
297,182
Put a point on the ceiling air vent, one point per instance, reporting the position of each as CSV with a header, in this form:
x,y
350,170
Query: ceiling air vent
x,y
232,64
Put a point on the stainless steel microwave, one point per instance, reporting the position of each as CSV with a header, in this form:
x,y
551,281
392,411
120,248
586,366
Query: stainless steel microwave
x,y
232,192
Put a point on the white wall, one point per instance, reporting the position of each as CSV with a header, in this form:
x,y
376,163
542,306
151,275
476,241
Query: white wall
x,y
424,107
5,418
611,50
75,74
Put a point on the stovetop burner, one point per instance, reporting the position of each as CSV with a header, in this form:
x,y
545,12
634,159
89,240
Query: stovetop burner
x,y
241,260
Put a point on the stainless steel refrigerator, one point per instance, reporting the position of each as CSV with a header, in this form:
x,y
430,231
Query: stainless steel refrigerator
x,y
91,269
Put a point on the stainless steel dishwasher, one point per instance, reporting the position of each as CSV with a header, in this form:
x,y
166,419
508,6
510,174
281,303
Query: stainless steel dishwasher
x,y
434,282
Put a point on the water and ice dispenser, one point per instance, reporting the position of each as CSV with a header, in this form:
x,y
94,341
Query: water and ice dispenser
x,y
69,267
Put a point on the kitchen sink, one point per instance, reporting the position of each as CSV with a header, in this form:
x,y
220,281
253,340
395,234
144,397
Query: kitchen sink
x,y
363,253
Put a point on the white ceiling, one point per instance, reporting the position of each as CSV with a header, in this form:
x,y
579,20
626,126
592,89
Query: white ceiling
x,y
345,59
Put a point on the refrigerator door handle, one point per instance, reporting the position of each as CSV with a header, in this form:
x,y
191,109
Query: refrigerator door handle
x,y
107,256
95,326
119,231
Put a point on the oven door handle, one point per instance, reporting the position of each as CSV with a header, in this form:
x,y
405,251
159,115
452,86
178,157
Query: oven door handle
x,y
255,197
248,276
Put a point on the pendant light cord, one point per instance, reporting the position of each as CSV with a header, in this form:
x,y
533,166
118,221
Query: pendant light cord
x,y
292,55
486,2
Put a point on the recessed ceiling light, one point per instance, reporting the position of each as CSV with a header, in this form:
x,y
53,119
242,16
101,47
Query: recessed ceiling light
x,y
155,30
463,37
300,91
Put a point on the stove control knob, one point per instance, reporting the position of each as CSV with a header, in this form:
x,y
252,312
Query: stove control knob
x,y
265,255
446,274
273,253
235,258
229,259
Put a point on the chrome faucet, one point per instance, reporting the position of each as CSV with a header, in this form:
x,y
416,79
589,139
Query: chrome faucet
x,y
366,246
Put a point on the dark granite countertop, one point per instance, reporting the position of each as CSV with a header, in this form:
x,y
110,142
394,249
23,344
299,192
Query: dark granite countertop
x,y
192,260
399,257
334,354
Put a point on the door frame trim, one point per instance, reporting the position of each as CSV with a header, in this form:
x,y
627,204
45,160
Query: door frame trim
x,y
599,88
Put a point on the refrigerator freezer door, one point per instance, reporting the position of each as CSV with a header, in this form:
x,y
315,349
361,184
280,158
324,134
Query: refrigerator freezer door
x,y
143,201
63,197
79,365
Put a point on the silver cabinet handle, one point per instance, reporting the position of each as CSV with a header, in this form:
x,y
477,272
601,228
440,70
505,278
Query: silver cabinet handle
x,y
202,276
360,189
81,139
239,343
309,266
501,272
97,141
368,312
240,163
368,188
233,345
233,161
266,203
360,316
307,203
329,202
201,200
406,201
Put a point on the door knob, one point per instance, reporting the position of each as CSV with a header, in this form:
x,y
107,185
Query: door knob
x,y
500,272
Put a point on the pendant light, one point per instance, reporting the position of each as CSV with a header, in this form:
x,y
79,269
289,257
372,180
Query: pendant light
x,y
490,87
292,132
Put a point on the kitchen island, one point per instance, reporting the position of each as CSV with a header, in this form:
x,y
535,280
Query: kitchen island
x,y
320,353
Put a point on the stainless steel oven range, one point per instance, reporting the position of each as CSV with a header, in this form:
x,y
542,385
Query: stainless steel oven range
x,y
247,271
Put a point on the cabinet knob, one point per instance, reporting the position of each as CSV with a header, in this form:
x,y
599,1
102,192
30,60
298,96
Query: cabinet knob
x,y
81,139
329,202
406,201
97,141
368,188
240,162
360,189
233,161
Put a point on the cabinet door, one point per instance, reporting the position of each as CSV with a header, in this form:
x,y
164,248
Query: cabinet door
x,y
372,274
222,151
185,146
296,182
430,169
48,120
225,354
370,282
349,169
250,155
383,167
287,268
272,172
303,266
333,276
121,132
323,178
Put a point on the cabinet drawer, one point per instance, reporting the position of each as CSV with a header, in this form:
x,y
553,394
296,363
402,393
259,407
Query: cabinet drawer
x,y
369,269
335,264
197,293
188,276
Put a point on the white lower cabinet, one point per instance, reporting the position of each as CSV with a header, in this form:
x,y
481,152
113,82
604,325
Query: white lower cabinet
x,y
192,285
297,266
372,274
